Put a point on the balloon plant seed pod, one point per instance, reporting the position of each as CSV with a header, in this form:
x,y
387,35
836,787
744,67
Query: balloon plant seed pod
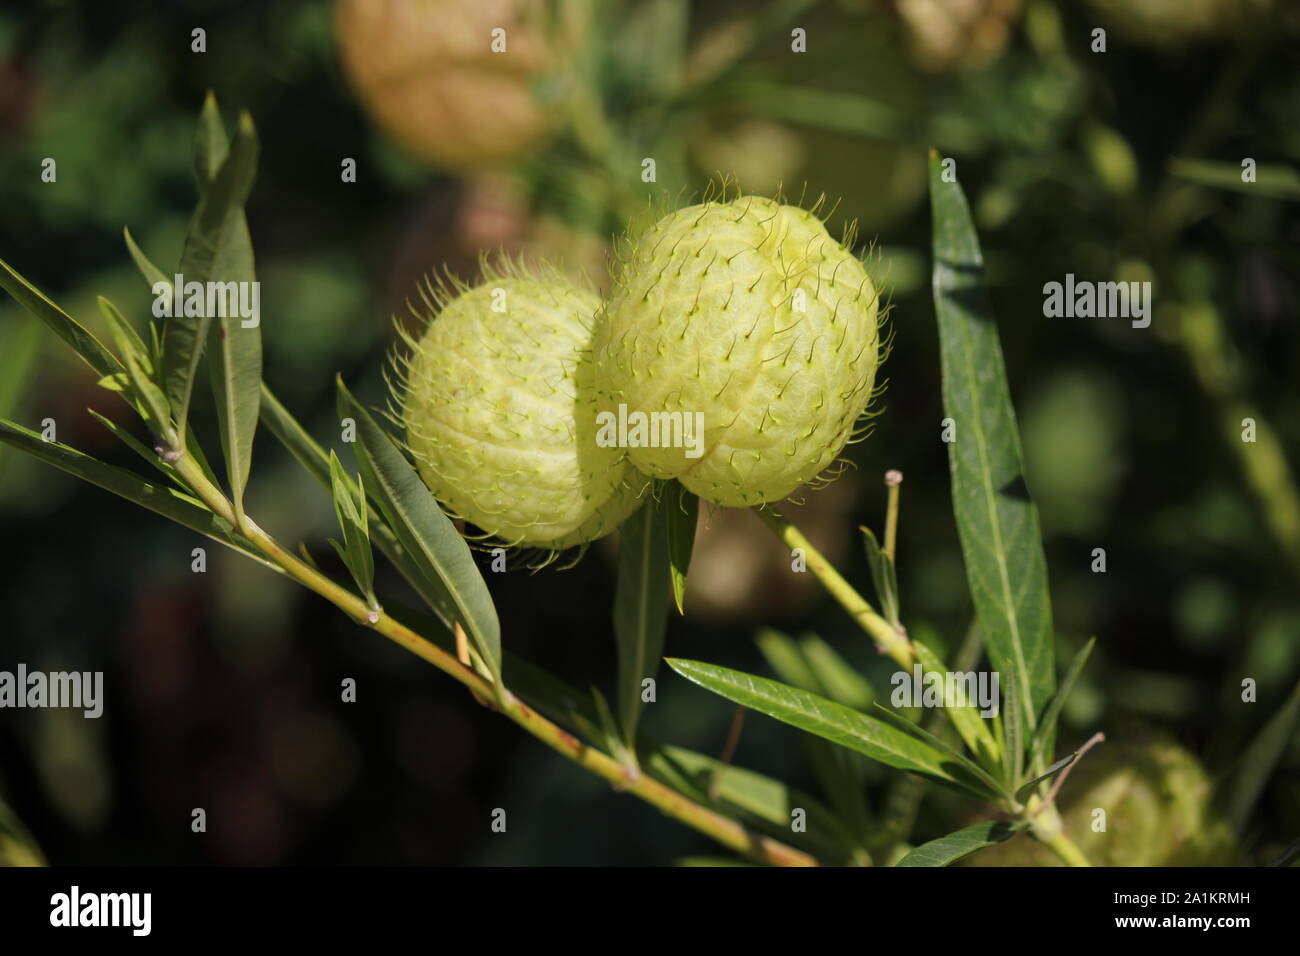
x,y
1157,807
428,72
498,404
748,319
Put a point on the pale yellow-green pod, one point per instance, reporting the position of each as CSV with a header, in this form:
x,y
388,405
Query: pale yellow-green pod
x,y
747,318
499,410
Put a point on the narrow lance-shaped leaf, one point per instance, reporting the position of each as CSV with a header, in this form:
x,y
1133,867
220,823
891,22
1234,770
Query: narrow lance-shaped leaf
x,y
449,579
815,666
296,439
1260,759
765,802
63,325
996,519
19,348
162,289
308,452
128,340
211,144
184,336
755,798
959,759
640,606
153,276
606,728
1013,726
1048,724
147,455
1047,774
160,499
355,549
682,513
883,577
837,678
151,402
965,715
825,718
959,844
219,251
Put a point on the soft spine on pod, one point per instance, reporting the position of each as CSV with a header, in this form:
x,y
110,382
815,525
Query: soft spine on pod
x,y
497,400
750,313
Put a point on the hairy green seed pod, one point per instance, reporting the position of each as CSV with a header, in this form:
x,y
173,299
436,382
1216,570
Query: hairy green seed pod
x,y
499,410
748,317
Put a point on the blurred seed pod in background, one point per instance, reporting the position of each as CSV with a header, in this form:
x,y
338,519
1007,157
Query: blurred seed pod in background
x,y
427,73
763,155
1174,23
454,223
951,34
1157,802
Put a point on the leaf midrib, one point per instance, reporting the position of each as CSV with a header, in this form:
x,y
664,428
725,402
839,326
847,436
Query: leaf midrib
x,y
996,530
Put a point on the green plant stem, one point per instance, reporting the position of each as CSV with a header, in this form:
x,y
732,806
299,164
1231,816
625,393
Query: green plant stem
x,y
888,638
726,831
1048,828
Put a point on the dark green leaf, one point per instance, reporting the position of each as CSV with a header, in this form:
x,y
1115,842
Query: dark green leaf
x,y
883,577
813,665
607,729
160,499
62,324
19,348
449,579
355,549
287,429
217,230
640,606
754,798
1261,759
785,657
837,680
959,760
996,519
219,249
972,728
682,511
1048,723
825,718
137,446
160,284
210,142
1047,774
962,843
1013,728
150,401
294,437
